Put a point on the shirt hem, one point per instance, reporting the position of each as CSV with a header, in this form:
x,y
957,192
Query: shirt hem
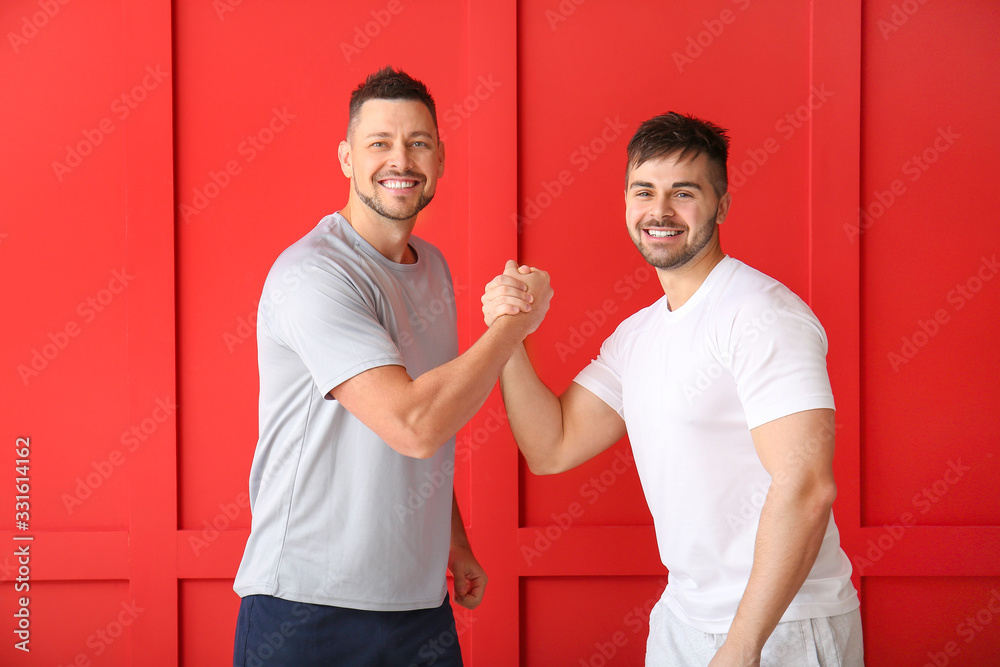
x,y
347,603
794,612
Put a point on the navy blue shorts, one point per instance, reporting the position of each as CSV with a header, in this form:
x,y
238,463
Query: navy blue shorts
x,y
271,632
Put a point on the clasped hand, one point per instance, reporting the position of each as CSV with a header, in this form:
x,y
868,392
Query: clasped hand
x,y
520,291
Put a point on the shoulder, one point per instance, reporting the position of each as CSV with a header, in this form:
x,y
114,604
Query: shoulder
x,y
751,306
317,265
746,292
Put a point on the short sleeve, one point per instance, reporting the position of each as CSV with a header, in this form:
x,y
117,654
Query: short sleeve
x,y
603,376
332,327
776,351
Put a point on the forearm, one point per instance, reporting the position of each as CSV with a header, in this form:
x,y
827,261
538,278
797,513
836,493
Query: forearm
x,y
459,538
534,413
793,522
441,401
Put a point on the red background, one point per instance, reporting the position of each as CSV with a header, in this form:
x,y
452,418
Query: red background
x,y
128,346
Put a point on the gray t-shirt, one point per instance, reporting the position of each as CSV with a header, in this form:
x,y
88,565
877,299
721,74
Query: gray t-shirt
x,y
339,517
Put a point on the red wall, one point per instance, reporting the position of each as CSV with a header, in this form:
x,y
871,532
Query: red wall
x,y
160,155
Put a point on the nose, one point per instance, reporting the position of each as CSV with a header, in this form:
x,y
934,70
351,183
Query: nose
x,y
399,157
662,208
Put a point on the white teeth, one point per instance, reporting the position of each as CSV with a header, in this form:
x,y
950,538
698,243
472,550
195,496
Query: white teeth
x,y
398,185
657,234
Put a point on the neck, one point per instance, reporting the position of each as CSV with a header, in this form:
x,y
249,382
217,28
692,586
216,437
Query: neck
x,y
390,237
680,284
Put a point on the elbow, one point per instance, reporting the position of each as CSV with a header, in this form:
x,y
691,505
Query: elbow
x,y
537,468
414,444
813,493
819,496
544,466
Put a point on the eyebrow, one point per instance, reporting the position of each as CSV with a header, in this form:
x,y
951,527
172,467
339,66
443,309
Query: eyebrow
x,y
678,184
389,135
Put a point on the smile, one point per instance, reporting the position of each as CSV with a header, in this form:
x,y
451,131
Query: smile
x,y
663,233
393,184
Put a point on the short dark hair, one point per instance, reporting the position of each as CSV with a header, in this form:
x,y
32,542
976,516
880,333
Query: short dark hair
x,y
673,133
388,84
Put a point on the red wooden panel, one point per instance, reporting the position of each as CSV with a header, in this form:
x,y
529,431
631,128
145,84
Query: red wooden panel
x,y
565,549
966,614
76,623
492,461
87,269
610,631
208,611
835,45
62,260
928,301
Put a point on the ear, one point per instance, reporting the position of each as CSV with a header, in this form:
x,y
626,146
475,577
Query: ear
x,y
440,159
723,210
344,155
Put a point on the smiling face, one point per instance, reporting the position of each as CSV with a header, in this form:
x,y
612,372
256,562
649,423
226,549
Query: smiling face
x,y
393,158
672,212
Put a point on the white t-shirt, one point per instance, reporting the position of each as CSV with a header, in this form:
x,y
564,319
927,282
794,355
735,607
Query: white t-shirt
x,y
339,517
690,384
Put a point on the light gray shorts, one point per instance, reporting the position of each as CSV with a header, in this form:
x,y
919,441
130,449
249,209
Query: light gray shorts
x,y
813,642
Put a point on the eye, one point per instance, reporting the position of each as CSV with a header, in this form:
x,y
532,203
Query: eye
x,y
378,144
683,195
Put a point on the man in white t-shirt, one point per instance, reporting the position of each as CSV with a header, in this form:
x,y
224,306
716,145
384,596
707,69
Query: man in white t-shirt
x,y
362,391
721,386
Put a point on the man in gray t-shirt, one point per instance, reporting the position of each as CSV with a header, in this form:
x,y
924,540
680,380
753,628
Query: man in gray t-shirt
x,y
361,393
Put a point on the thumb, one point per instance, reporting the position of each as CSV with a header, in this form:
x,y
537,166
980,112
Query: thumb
x,y
510,268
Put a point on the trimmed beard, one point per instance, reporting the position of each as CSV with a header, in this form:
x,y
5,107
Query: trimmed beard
x,y
376,204
682,255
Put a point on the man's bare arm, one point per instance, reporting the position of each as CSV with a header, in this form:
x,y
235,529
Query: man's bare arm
x,y
554,433
797,451
417,416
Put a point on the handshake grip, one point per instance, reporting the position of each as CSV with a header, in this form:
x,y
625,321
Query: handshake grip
x,y
521,292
